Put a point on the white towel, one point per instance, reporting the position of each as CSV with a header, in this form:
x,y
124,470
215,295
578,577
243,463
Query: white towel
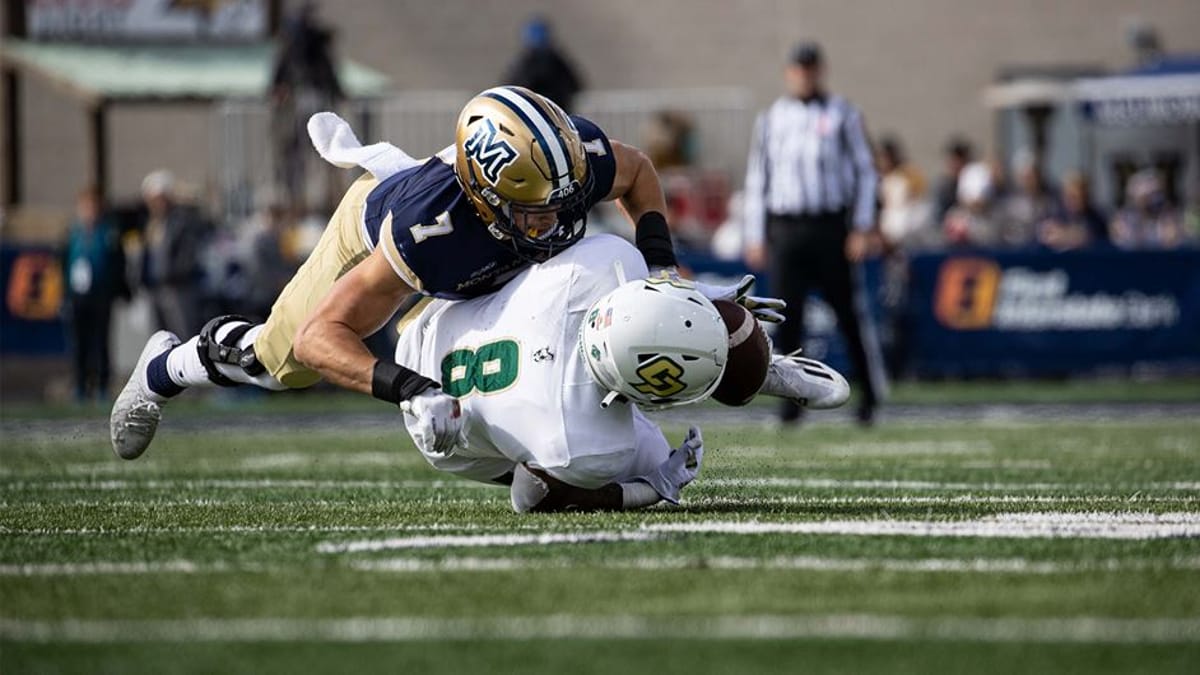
x,y
336,143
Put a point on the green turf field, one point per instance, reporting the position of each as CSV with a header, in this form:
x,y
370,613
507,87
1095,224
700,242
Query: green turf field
x,y
932,547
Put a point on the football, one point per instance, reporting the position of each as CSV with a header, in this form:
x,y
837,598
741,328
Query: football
x,y
749,355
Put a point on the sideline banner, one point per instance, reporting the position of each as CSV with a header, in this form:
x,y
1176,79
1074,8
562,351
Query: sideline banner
x,y
31,310
985,313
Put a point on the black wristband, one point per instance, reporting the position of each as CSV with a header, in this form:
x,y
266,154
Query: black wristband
x,y
394,383
653,238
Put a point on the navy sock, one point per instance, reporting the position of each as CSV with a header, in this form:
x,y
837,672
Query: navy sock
x,y
159,380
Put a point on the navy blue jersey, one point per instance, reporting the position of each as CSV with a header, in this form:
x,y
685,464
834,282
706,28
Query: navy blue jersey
x,y
435,240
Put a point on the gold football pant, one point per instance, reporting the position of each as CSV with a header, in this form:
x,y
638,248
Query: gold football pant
x,y
341,247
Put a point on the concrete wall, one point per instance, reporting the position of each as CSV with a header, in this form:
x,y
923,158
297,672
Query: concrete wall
x,y
915,67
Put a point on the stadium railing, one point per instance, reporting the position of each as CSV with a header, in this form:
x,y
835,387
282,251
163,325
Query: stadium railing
x,y
421,122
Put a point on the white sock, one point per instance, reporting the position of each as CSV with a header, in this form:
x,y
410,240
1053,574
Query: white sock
x,y
184,367
186,370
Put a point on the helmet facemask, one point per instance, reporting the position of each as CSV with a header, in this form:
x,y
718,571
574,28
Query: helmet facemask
x,y
511,222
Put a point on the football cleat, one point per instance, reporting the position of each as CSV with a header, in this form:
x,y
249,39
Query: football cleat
x,y
808,382
135,413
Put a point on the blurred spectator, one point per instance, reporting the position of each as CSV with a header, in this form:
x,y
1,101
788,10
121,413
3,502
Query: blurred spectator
x,y
905,211
173,235
1148,221
1191,218
1076,223
669,140
94,266
727,242
267,267
1030,201
542,67
958,155
304,81
972,221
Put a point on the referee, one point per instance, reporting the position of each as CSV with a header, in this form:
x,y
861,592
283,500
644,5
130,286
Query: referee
x,y
810,204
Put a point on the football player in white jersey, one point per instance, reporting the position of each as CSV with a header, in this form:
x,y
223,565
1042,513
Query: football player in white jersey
x,y
550,371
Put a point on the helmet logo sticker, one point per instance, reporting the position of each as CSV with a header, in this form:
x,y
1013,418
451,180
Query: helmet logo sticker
x,y
660,377
492,154
565,191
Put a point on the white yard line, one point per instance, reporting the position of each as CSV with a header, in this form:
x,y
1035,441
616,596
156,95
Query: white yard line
x,y
257,529
1094,525
622,627
242,501
935,500
239,484
279,460
483,540
760,482
508,564
92,568
699,502
1044,525
905,448
805,563
851,484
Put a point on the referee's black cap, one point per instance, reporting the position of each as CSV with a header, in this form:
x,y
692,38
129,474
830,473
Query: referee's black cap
x,y
806,54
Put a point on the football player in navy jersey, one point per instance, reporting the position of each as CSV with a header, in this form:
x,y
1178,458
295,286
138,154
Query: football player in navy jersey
x,y
513,190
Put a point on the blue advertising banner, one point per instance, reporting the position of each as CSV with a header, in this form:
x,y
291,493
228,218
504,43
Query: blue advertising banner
x,y
1048,314
31,309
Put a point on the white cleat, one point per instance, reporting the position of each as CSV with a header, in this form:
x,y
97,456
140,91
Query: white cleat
x,y
810,383
135,413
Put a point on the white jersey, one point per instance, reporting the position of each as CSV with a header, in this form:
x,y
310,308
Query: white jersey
x,y
512,360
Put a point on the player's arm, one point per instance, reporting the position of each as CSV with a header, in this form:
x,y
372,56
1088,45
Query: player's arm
x,y
636,186
330,341
639,194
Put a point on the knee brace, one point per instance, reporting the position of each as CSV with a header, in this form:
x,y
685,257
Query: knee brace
x,y
225,350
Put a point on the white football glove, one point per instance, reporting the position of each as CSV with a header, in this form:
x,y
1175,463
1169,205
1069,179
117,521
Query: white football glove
x,y
763,309
681,467
435,421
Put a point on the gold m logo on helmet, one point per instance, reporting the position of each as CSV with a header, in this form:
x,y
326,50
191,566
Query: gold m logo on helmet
x,y
965,296
492,153
660,378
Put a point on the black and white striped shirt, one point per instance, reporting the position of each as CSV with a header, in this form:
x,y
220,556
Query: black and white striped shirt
x,y
809,158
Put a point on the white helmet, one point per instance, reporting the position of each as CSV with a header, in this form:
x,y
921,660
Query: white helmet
x,y
656,342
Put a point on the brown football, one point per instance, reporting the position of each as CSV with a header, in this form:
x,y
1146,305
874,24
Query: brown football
x,y
749,355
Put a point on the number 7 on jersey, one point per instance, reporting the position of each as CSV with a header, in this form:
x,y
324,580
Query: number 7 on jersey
x,y
441,225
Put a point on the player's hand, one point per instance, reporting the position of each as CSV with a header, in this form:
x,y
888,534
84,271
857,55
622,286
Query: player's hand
x,y
763,309
434,420
680,469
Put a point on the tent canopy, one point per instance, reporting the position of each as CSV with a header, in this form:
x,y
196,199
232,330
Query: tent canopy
x,y
166,72
1166,91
